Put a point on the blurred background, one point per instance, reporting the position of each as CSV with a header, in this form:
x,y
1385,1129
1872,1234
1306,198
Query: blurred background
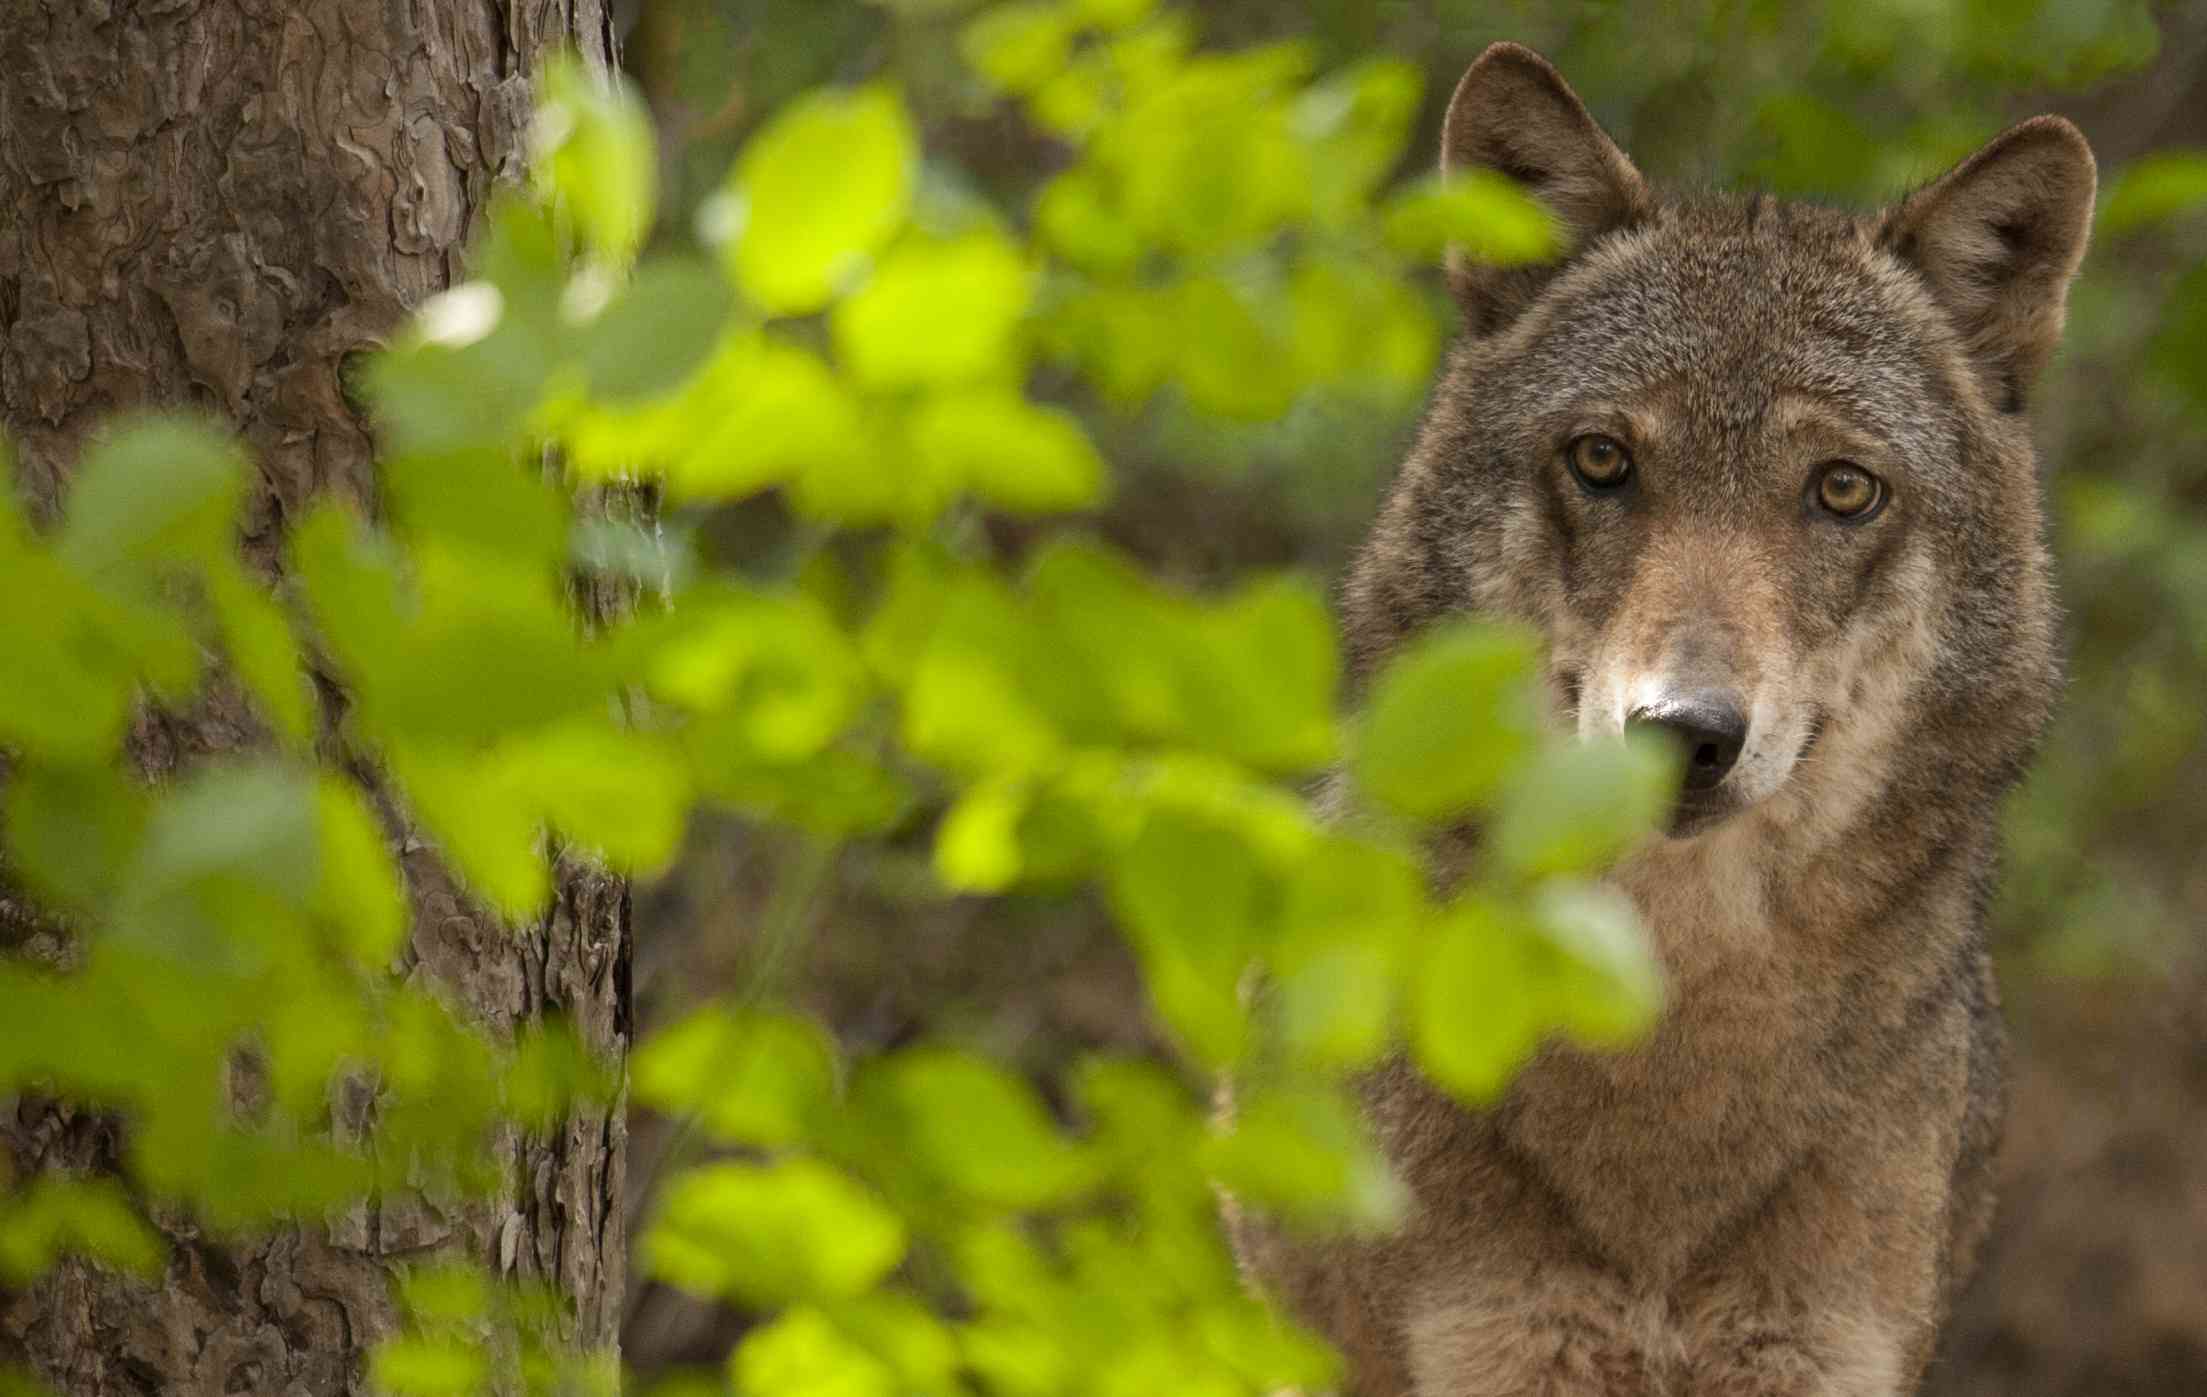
x,y
2096,1280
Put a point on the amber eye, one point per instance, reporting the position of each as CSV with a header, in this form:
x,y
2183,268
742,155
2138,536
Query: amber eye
x,y
1847,491
1601,463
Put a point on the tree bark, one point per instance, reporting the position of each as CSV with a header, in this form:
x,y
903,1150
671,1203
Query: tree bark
x,y
213,204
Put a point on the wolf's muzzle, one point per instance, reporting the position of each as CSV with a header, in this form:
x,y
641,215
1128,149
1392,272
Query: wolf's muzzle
x,y
1710,728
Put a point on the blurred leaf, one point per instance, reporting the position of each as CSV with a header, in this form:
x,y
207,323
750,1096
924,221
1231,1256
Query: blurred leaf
x,y
2154,187
1196,904
1014,454
1483,215
1208,160
1361,119
591,144
771,1234
358,889
73,831
1475,1015
1076,219
257,635
1308,1155
1017,46
817,193
937,312
412,1365
753,1078
486,828
976,1127
1352,914
656,332
1606,986
1583,804
1450,720
479,500
977,846
1231,352
801,1351
91,1217
152,490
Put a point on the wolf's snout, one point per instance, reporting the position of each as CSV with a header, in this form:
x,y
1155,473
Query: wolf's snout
x,y
1709,726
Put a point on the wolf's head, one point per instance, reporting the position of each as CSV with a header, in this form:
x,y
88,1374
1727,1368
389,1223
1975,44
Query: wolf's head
x,y
1759,471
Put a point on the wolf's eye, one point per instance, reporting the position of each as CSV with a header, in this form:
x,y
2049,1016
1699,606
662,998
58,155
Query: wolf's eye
x,y
1847,491
1601,463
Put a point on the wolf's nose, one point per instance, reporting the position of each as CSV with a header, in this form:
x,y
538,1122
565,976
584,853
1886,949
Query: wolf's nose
x,y
1708,727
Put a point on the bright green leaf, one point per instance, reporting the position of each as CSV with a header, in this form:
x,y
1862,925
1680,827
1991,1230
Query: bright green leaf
x,y
592,145
752,1078
816,194
1450,720
1583,804
1012,453
1484,216
770,1234
937,312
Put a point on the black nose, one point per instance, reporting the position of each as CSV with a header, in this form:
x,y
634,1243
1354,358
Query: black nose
x,y
1708,727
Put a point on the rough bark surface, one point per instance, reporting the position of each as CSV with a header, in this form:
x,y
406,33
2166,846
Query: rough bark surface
x,y
212,204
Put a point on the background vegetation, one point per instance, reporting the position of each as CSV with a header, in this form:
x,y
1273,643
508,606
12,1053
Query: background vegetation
x,y
915,576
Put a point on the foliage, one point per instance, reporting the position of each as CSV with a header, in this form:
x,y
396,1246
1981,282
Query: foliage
x,y
868,344
1221,245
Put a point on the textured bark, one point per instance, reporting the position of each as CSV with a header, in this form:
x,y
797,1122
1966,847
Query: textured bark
x,y
212,204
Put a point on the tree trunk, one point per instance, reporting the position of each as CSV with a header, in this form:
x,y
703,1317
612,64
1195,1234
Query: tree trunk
x,y
212,204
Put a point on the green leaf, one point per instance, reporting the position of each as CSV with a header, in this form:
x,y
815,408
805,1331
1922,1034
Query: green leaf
x,y
1209,159
358,890
244,830
1017,47
1077,218
481,501
977,846
1198,906
2153,188
656,332
1605,984
257,635
1584,804
937,312
1014,454
1231,354
771,1234
1353,911
976,1128
816,194
802,1351
486,828
1476,1003
417,1365
152,490
71,666
73,831
749,1078
1307,1155
1483,215
625,795
1450,720
89,1216
1361,120
592,147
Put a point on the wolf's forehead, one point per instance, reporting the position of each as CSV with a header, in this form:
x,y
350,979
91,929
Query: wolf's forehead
x,y
1730,323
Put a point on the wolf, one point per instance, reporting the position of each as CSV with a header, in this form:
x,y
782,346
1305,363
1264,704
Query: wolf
x,y
1761,474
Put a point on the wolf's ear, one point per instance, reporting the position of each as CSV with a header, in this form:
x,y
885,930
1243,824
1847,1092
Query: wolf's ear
x,y
1514,113
1997,238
